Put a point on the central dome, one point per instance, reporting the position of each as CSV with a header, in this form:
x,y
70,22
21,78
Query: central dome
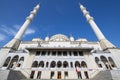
x,y
59,37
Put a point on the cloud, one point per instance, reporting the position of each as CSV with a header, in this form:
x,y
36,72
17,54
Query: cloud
x,y
8,30
29,31
2,37
17,26
12,30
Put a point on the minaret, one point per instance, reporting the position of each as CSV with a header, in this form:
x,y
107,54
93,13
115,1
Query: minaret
x,y
14,43
105,44
27,22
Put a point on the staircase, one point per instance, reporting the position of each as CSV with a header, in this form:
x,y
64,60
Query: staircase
x,y
115,74
107,75
11,75
103,75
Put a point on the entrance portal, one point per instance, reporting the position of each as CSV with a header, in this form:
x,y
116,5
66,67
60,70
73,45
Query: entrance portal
x,y
59,75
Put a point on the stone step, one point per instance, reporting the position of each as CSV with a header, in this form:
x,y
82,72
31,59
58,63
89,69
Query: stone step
x,y
17,75
11,75
55,79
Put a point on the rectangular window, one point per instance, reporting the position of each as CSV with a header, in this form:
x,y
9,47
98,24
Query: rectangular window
x,y
52,74
32,74
48,53
70,53
59,53
59,75
54,53
80,53
75,53
43,53
66,74
86,75
37,53
79,75
64,53
39,75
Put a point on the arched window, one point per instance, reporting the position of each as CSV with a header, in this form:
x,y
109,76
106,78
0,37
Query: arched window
x,y
111,62
77,64
59,64
53,64
47,63
21,61
98,62
65,64
104,60
35,64
41,64
83,64
14,61
7,62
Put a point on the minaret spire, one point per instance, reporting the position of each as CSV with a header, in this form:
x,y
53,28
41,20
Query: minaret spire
x,y
14,43
27,22
103,41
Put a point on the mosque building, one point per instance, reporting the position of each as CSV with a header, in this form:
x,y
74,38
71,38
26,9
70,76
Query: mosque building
x,y
60,56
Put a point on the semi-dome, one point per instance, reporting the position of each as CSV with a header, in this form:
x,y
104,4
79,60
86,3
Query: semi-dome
x,y
59,37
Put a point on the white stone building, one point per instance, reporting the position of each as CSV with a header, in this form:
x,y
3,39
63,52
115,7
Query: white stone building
x,y
60,56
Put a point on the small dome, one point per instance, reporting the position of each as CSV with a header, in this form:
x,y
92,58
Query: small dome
x,y
46,38
59,37
71,38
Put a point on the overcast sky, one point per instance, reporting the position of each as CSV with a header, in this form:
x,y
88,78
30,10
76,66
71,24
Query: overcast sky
x,y
60,16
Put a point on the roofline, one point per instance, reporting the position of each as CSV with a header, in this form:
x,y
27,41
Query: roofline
x,y
60,48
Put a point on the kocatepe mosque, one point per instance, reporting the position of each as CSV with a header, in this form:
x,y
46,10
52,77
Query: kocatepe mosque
x,y
59,56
